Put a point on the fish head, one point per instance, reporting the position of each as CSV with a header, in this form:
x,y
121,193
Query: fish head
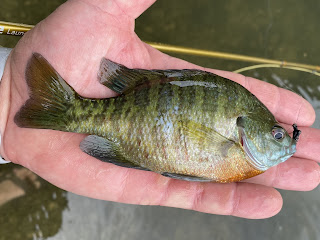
x,y
265,142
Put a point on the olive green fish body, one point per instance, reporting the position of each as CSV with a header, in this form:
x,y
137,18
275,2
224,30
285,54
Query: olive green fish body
x,y
186,124
155,120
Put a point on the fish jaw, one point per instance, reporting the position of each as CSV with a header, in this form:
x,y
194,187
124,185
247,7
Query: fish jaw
x,y
288,151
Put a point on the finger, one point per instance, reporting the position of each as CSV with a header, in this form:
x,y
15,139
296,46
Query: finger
x,y
308,146
122,7
114,183
57,158
294,174
288,107
236,199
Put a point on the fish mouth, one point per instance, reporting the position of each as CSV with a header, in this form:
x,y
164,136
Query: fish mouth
x,y
292,148
250,156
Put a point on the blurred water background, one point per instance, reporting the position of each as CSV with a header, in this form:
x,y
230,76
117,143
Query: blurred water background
x,y
31,208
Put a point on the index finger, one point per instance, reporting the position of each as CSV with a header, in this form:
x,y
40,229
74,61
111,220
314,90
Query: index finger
x,y
288,107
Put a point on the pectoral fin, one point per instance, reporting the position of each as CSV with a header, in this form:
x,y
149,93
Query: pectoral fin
x,y
106,151
207,138
201,133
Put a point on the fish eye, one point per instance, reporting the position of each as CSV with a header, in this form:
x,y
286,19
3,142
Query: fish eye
x,y
278,133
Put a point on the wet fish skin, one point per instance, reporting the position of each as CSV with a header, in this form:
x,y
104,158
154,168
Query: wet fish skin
x,y
186,124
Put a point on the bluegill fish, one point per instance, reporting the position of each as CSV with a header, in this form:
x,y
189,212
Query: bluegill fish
x,y
184,124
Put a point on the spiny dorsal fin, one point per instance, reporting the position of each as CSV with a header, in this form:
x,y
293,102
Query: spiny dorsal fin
x,y
122,79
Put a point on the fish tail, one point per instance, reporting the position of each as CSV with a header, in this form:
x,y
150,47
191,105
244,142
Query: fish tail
x,y
50,97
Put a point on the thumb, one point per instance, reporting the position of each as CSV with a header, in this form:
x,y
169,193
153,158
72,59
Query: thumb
x,y
122,7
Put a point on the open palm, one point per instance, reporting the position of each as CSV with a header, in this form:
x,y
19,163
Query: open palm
x,y
74,39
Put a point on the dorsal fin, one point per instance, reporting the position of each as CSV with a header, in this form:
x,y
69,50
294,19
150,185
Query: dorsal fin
x,y
121,79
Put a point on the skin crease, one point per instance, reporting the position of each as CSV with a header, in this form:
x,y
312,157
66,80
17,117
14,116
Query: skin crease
x,y
74,39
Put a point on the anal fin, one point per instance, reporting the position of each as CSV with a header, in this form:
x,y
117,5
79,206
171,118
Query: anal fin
x,y
106,151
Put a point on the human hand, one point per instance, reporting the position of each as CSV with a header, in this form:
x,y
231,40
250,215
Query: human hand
x,y
74,39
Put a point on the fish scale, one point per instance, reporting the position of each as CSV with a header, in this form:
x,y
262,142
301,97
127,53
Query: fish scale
x,y
185,124
171,155
168,143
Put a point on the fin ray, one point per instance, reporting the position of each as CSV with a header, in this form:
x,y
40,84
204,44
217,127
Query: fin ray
x,y
199,132
106,151
186,177
50,97
121,79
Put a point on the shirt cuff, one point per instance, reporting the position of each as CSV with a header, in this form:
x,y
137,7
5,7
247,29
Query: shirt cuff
x,y
4,53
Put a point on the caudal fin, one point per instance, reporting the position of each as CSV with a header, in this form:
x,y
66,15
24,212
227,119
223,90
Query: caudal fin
x,y
50,97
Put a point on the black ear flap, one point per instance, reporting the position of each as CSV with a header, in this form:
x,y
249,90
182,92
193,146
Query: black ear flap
x,y
241,121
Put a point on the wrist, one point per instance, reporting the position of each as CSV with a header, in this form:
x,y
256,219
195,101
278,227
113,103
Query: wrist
x,y
4,95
